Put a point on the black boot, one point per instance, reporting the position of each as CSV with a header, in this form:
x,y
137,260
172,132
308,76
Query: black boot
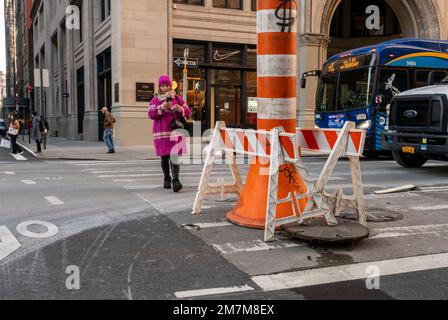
x,y
166,172
177,186
167,183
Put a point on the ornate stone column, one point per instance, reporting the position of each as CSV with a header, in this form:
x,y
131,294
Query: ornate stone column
x,y
312,55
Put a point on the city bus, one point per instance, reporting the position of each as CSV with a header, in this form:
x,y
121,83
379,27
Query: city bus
x,y
358,85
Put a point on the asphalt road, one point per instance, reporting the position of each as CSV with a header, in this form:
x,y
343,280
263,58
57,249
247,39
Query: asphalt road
x,y
129,239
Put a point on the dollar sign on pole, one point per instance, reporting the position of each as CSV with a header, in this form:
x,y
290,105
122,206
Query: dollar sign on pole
x,y
277,88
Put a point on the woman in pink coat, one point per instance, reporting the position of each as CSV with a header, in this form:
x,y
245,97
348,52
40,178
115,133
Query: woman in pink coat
x,y
164,108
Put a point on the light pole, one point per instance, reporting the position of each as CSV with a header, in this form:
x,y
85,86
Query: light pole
x,y
185,78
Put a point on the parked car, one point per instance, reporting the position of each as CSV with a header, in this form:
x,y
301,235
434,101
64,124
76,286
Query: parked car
x,y
2,128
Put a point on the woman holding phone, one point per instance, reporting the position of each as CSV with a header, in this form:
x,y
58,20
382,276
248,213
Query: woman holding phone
x,y
168,111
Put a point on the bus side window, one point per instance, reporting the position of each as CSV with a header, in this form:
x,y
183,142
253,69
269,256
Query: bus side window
x,y
437,77
401,82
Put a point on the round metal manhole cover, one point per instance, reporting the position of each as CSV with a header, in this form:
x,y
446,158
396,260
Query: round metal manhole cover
x,y
374,215
319,232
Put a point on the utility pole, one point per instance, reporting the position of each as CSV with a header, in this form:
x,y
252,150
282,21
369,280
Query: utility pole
x,y
185,79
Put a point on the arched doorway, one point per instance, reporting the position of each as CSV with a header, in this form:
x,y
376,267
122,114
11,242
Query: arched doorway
x,y
343,21
348,26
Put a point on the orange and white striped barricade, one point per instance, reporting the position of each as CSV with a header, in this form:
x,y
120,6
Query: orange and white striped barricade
x,y
277,147
336,143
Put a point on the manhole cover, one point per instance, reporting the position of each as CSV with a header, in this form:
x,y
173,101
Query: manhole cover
x,y
318,231
374,215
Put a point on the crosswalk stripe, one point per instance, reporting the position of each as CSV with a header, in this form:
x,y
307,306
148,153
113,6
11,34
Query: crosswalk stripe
x,y
210,292
254,246
54,201
312,277
29,182
19,157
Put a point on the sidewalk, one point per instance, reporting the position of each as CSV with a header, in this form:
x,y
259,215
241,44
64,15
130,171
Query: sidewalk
x,y
68,149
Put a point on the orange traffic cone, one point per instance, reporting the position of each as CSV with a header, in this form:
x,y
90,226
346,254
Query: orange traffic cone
x,y
277,79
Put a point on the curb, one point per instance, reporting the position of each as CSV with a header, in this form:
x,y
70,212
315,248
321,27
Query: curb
x,y
28,149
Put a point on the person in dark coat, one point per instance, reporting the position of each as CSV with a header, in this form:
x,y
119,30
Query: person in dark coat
x,y
35,133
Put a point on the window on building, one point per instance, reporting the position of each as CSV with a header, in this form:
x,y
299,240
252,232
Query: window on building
x,y
194,2
80,23
105,9
230,4
254,5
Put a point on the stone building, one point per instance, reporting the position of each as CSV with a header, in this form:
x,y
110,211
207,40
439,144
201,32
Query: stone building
x,y
121,48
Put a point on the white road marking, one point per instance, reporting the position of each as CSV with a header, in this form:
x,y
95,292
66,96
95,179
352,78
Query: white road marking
x,y
213,291
8,243
54,201
19,157
28,149
29,182
430,208
147,187
316,176
434,188
159,174
10,173
23,229
208,225
408,231
254,246
137,170
336,274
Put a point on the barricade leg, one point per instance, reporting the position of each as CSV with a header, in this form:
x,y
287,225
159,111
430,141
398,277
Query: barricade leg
x,y
358,191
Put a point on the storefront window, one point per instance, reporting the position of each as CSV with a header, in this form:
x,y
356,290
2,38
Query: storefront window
x,y
197,51
197,85
221,84
230,4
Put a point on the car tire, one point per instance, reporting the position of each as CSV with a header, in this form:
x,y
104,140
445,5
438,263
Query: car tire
x,y
409,160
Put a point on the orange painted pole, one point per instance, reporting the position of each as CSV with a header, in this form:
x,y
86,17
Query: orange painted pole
x,y
277,87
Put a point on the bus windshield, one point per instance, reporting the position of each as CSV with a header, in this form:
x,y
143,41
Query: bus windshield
x,y
346,90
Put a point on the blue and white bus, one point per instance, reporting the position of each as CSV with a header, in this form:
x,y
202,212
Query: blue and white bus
x,y
353,85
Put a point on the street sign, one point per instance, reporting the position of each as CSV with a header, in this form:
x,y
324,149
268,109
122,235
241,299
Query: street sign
x,y
191,63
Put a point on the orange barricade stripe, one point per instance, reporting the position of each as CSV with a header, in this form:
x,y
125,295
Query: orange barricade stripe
x,y
243,140
277,87
273,4
332,138
277,43
310,140
287,145
356,138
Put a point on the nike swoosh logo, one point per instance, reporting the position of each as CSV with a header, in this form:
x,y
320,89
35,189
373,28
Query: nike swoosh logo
x,y
221,57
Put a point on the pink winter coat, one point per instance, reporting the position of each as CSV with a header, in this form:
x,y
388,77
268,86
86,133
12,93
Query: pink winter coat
x,y
167,142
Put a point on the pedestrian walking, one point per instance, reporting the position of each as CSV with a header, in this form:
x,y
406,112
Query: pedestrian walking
x,y
13,132
35,134
45,128
169,111
109,121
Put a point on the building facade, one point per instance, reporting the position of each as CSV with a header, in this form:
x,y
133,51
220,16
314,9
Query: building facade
x,y
120,48
19,65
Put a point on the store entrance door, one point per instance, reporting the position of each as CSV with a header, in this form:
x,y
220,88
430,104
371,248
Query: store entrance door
x,y
227,104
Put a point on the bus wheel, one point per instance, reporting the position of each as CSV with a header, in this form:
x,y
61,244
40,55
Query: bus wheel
x,y
409,160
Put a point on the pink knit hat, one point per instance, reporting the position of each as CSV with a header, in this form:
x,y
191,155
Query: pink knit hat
x,y
165,80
